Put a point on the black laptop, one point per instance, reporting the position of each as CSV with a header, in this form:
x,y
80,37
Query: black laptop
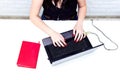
x,y
58,54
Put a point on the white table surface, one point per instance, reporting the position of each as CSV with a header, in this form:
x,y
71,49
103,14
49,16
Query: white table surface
x,y
99,65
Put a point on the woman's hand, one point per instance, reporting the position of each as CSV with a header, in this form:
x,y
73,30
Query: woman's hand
x,y
78,32
58,39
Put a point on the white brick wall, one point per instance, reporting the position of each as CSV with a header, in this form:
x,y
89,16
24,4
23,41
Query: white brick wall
x,y
95,7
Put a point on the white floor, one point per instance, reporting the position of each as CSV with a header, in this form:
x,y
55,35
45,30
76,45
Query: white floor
x,y
99,65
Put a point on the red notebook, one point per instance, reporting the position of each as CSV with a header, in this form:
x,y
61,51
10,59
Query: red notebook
x,y
28,54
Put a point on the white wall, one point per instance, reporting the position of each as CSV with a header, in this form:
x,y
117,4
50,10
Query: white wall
x,y
103,7
15,7
95,7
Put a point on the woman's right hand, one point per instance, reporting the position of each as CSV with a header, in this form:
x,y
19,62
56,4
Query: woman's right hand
x,y
58,39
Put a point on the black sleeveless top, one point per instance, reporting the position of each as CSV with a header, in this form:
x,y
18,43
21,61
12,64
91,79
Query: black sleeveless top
x,y
66,12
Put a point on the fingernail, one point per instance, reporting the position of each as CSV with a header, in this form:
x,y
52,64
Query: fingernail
x,y
76,41
65,45
73,35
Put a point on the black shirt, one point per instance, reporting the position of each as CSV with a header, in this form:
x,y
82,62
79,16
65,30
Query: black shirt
x,y
66,12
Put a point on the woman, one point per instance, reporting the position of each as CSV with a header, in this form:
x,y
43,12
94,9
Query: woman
x,y
59,10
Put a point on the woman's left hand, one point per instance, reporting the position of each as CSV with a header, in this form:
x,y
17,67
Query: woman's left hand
x,y
78,32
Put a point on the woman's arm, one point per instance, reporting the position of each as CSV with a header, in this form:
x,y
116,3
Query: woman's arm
x,y
81,10
78,29
57,38
35,18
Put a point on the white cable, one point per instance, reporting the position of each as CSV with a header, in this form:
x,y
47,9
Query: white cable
x,y
103,35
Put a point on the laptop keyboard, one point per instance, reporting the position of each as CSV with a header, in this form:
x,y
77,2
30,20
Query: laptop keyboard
x,y
56,53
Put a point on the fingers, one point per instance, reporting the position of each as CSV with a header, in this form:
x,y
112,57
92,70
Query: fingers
x,y
78,35
59,42
57,39
84,35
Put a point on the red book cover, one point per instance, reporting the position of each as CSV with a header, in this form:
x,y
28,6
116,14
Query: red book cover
x,y
28,54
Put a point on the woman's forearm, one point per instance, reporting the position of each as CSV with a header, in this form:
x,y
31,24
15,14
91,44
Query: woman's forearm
x,y
35,18
82,8
81,14
41,25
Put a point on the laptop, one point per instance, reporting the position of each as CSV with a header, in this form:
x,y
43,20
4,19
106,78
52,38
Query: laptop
x,y
60,54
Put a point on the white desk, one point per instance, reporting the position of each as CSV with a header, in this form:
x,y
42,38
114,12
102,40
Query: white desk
x,y
99,65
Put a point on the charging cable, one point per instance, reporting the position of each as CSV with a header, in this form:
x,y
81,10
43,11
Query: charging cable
x,y
88,32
